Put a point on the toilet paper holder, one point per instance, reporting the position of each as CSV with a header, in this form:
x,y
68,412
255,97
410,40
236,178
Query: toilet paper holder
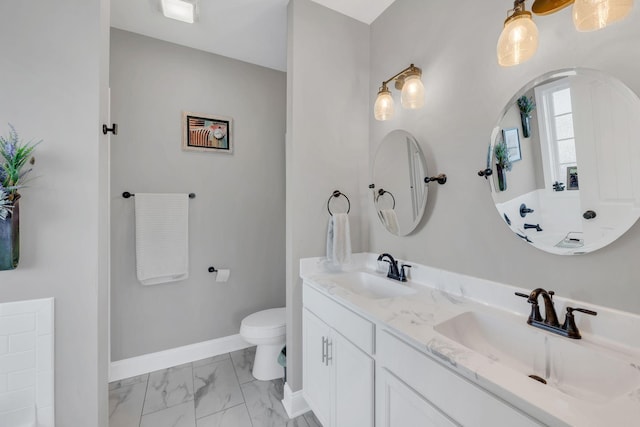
x,y
222,275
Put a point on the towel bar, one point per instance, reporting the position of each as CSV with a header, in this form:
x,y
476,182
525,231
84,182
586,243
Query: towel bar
x,y
126,195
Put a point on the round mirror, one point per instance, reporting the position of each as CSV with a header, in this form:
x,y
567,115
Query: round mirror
x,y
566,161
399,190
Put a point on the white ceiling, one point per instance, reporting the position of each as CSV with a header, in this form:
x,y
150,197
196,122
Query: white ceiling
x,y
254,31
363,10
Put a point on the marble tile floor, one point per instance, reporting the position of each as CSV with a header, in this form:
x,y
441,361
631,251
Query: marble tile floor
x,y
215,392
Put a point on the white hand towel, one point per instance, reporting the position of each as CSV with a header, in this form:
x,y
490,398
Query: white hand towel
x,y
338,240
162,237
390,219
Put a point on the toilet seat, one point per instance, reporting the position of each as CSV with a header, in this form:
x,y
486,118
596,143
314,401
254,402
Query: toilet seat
x,y
266,323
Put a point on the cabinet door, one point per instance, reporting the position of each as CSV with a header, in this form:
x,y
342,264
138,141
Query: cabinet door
x,y
399,405
354,384
316,371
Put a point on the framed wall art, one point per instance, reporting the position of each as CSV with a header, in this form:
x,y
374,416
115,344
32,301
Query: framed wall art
x,y
572,178
205,132
512,139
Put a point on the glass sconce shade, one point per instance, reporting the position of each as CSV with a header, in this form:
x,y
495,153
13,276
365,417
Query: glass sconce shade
x,y
412,95
591,15
518,41
383,108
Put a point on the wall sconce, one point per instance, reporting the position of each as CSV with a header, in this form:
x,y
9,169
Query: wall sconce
x,y
412,95
519,39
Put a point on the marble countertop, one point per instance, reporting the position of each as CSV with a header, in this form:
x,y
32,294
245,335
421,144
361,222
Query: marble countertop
x,y
442,295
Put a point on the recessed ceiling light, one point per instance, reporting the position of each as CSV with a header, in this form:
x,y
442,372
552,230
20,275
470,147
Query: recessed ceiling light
x,y
181,10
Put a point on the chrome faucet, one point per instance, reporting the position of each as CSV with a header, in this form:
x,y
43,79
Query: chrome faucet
x,y
394,272
550,322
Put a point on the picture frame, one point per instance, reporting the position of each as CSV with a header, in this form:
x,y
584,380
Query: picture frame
x,y
512,138
572,178
206,132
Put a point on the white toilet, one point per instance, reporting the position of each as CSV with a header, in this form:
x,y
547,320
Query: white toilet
x,y
267,330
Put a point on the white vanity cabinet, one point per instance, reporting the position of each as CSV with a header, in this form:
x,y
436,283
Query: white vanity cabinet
x,y
414,390
338,368
357,374
449,350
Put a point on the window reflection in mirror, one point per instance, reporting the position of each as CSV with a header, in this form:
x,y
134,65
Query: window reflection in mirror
x,y
557,136
557,125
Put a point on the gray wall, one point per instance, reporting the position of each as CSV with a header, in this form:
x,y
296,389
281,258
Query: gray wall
x,y
327,134
236,220
465,92
53,87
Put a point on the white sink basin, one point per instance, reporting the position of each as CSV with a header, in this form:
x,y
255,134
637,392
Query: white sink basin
x,y
370,285
571,366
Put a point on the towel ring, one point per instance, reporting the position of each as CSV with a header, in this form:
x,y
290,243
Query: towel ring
x,y
382,192
337,194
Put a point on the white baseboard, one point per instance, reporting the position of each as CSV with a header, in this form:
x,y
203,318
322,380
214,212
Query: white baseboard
x,y
139,365
294,402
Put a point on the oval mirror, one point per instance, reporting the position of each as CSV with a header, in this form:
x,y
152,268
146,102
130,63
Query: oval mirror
x,y
399,190
566,161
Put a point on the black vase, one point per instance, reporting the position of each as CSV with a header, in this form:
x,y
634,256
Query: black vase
x,y
502,178
526,124
10,239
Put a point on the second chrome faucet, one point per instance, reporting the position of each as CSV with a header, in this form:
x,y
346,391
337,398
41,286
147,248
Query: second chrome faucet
x,y
550,322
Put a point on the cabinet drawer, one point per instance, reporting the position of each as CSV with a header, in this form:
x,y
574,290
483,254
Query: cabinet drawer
x,y
455,396
355,328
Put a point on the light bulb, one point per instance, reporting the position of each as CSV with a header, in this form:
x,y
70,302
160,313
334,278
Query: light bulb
x,y
518,41
383,108
591,15
412,95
